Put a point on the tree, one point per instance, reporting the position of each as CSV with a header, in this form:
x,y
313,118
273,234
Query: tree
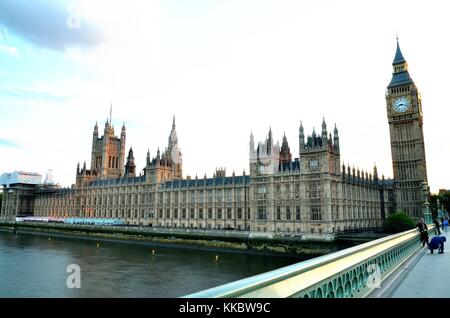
x,y
398,222
444,201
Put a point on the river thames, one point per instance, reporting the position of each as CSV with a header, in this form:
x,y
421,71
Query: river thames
x,y
35,266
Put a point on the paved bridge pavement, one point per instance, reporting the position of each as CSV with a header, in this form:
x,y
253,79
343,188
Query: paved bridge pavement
x,y
427,277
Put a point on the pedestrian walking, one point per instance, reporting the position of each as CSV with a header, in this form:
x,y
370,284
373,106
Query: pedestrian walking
x,y
437,226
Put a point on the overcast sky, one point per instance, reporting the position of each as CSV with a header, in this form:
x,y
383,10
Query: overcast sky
x,y
224,68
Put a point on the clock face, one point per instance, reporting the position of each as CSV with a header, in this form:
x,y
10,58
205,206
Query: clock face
x,y
401,104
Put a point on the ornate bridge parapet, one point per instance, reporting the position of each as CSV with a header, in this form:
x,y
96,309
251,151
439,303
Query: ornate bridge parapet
x,y
352,272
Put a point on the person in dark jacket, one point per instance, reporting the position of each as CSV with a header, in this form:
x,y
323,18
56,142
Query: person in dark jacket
x,y
437,242
436,224
423,229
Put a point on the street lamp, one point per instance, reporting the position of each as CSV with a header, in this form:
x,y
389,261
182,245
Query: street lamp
x,y
426,209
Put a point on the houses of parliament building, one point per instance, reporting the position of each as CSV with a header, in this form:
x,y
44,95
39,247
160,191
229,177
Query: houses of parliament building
x,y
314,195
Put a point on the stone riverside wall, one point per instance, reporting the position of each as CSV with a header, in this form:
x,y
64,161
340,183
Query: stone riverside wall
x,y
211,240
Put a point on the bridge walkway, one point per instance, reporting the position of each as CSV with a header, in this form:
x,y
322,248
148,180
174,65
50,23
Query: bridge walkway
x,y
429,277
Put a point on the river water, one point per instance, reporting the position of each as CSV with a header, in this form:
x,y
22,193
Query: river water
x,y
36,266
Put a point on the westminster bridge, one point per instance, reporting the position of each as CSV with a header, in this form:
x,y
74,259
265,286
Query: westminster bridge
x,y
393,266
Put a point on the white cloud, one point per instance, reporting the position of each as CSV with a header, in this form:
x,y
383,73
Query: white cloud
x,y
9,50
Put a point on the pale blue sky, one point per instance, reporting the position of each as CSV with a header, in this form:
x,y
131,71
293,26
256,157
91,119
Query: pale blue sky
x,y
224,68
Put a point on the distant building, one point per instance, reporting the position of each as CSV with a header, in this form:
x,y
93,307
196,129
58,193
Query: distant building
x,y
19,189
20,177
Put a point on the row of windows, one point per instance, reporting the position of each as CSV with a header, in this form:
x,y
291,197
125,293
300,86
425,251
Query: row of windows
x,y
113,162
400,89
288,215
207,226
407,171
128,199
201,213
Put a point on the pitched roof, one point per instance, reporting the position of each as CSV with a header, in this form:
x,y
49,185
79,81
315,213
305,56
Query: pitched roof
x,y
398,59
401,78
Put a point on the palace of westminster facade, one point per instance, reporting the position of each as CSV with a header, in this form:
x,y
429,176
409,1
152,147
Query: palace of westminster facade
x,y
314,195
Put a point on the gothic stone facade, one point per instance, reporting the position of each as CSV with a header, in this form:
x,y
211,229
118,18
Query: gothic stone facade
x,y
314,195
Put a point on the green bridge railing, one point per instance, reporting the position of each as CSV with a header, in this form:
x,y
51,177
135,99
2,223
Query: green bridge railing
x,y
352,272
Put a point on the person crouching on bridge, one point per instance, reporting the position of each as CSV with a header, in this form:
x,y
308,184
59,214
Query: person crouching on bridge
x,y
437,242
423,229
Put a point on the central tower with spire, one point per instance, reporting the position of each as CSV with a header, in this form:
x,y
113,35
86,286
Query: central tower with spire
x,y
404,112
167,165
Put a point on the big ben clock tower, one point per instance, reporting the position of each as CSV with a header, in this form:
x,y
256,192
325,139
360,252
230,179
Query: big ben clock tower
x,y
404,111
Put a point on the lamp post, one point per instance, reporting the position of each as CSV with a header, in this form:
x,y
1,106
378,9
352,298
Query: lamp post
x,y
426,206
440,213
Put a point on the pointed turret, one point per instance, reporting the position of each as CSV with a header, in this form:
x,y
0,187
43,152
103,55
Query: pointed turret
x,y
400,75
285,152
251,146
148,160
301,136
314,137
130,167
375,172
324,129
336,138
173,139
130,154
398,59
110,114
269,142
